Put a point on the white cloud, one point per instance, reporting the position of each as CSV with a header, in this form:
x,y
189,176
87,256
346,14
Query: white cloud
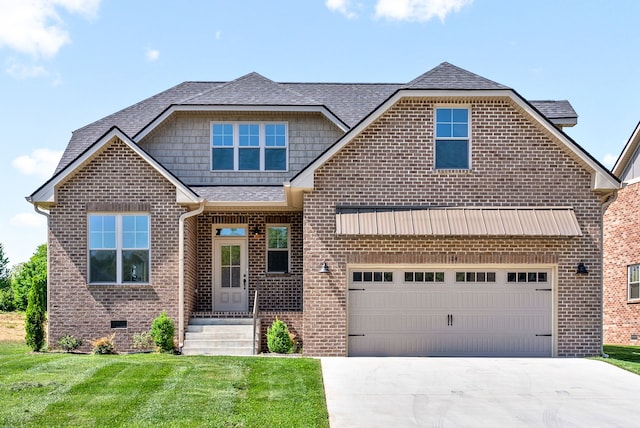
x,y
418,10
41,162
152,55
345,7
27,220
23,71
609,160
34,27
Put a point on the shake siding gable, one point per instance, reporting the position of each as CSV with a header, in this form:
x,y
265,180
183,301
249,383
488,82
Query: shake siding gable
x,y
514,163
115,180
183,145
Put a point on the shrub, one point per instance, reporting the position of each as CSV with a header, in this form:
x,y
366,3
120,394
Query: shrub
x,y
162,330
69,343
143,341
279,340
104,345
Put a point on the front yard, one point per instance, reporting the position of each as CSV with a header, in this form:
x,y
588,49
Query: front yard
x,y
144,390
625,357
149,390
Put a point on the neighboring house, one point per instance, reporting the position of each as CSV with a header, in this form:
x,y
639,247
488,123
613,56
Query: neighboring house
x,y
444,216
622,251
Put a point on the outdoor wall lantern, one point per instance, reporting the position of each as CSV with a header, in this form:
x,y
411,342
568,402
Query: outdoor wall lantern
x,y
582,269
324,268
256,232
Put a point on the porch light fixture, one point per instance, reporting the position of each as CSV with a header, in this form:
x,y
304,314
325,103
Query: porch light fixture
x,y
256,232
582,269
324,268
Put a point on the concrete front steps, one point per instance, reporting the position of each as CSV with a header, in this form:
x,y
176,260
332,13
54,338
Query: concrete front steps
x,y
220,336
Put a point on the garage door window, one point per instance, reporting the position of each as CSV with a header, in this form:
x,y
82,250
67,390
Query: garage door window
x,y
424,277
475,277
363,276
527,277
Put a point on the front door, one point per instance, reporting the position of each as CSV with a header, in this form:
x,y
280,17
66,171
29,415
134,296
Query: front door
x,y
230,275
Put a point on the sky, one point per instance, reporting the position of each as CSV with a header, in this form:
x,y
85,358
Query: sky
x,y
67,63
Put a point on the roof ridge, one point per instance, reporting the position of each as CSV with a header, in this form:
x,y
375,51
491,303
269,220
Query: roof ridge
x,y
452,74
224,84
259,76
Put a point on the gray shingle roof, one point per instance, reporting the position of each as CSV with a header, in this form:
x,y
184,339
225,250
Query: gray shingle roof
x,y
555,109
131,119
252,89
241,193
448,76
350,102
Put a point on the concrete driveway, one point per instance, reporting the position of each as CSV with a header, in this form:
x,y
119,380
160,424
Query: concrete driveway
x,y
479,392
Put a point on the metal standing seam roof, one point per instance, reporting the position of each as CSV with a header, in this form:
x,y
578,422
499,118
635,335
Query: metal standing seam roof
x,y
456,221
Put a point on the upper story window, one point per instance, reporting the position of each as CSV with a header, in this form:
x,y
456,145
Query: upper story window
x,y
634,282
118,248
249,146
452,146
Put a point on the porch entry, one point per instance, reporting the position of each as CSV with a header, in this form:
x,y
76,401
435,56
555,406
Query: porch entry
x,y
230,283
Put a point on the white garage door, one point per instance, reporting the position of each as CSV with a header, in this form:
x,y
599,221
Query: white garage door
x,y
462,311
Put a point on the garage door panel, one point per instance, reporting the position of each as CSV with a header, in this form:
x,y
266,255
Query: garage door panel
x,y
391,322
451,345
501,318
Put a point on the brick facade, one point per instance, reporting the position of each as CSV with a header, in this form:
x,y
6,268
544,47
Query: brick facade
x,y
514,163
621,243
117,180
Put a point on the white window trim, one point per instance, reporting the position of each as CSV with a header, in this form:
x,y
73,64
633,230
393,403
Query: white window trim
x,y
629,298
236,145
118,248
267,249
436,138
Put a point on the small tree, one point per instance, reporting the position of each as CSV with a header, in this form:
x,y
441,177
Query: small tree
x,y
279,339
24,276
35,318
162,330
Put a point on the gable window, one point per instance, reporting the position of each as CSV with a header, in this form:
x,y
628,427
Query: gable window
x,y
278,245
249,146
118,248
452,146
634,282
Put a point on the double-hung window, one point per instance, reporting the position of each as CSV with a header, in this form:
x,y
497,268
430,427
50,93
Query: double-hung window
x,y
118,248
634,282
249,146
278,246
452,144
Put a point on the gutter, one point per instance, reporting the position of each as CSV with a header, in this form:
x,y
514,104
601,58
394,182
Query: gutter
x,y
605,205
183,217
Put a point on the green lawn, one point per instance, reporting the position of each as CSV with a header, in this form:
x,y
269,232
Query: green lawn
x,y
625,357
150,390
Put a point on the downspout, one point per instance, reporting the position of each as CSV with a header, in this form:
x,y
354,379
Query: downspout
x,y
46,214
605,205
183,217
